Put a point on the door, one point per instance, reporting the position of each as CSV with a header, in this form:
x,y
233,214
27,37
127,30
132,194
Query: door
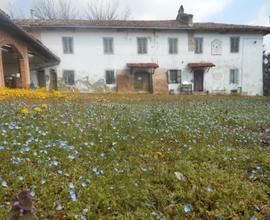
x,y
198,80
41,79
53,80
142,81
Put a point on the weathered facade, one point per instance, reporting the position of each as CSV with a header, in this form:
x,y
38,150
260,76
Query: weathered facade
x,y
266,74
153,56
19,53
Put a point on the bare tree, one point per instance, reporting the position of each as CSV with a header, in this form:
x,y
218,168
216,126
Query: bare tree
x,y
13,11
54,9
106,10
66,9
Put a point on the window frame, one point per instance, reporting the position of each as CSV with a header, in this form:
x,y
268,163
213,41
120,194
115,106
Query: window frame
x,y
68,45
140,48
173,45
67,82
177,79
234,76
233,44
108,48
113,82
196,40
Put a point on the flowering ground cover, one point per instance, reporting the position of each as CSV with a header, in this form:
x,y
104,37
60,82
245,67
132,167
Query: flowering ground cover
x,y
136,156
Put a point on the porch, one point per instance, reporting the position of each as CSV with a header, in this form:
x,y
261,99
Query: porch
x,y
142,78
20,53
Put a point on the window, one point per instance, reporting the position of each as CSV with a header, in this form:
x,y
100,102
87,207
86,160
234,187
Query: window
x,y
110,78
173,45
67,45
234,76
235,44
198,45
69,77
108,45
174,76
142,45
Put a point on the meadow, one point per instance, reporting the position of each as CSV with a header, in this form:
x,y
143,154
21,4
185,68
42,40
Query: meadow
x,y
136,156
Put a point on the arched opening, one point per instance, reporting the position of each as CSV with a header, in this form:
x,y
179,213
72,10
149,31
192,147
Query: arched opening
x,y
11,66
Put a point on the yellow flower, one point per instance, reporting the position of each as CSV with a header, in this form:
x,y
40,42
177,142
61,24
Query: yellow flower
x,y
159,154
44,106
38,109
25,110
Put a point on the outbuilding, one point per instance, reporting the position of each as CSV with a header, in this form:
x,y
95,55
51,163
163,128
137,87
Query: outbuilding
x,y
20,53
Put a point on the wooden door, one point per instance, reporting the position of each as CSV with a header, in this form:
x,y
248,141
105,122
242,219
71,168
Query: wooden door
x,y
53,80
41,79
198,80
142,81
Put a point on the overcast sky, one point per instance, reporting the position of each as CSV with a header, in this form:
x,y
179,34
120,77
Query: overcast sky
x,y
225,11
228,11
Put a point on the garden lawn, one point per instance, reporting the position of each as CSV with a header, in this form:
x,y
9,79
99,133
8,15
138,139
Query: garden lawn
x,y
136,156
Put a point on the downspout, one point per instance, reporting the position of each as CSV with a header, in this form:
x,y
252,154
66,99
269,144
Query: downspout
x,y
242,66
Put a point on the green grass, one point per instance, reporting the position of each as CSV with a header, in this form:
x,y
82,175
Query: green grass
x,y
107,148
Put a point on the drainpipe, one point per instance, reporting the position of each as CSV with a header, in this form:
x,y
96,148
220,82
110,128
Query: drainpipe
x,y
242,64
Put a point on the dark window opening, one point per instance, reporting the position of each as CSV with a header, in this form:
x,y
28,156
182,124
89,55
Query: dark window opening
x,y
67,45
110,77
174,77
234,76
69,77
142,45
198,45
108,45
235,41
173,45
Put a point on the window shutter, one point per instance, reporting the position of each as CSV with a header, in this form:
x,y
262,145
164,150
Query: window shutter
x,y
231,76
64,45
237,76
71,45
179,76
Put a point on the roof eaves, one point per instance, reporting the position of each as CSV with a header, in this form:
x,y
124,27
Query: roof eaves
x,y
105,27
28,38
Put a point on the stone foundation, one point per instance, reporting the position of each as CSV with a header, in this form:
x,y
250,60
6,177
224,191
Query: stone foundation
x,y
160,81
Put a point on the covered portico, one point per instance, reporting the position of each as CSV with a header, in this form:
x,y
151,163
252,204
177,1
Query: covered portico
x,y
142,76
19,54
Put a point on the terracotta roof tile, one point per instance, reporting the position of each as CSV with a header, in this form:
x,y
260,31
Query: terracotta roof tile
x,y
142,65
7,24
201,65
140,24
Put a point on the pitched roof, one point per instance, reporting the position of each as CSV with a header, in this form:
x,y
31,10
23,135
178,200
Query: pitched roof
x,y
140,24
7,24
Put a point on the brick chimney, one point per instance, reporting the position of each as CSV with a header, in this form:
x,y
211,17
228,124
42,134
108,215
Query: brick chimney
x,y
184,18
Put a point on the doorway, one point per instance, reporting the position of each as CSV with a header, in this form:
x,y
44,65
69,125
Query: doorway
x,y
41,79
53,80
142,81
198,80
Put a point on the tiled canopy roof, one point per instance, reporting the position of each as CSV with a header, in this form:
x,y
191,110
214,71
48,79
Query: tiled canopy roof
x,y
142,65
140,24
200,65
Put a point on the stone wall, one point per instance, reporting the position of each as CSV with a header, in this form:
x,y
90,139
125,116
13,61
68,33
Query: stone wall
x,y
160,82
124,81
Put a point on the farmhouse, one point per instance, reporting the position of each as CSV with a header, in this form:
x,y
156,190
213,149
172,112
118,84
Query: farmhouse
x,y
158,56
20,53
